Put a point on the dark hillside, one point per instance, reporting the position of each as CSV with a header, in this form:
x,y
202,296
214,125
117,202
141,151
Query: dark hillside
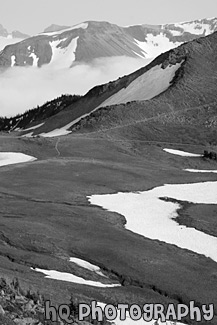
x,y
190,102
37,115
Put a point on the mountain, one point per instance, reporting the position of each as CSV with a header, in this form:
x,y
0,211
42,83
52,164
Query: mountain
x,y
7,38
133,85
177,81
90,40
17,34
183,112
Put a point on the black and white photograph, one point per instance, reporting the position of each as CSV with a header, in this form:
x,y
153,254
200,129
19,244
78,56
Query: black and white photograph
x,y
108,162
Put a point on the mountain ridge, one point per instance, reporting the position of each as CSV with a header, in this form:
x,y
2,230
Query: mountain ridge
x,y
189,104
92,39
95,96
54,28
179,94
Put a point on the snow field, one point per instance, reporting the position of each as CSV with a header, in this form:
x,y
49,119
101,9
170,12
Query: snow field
x,y
63,57
149,215
10,158
154,45
182,153
69,277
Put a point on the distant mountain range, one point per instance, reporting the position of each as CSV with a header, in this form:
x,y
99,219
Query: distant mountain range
x,y
63,46
14,34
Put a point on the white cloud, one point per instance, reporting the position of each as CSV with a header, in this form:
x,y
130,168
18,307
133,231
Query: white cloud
x,y
25,88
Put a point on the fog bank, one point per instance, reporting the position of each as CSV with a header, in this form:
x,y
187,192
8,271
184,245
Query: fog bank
x,y
24,88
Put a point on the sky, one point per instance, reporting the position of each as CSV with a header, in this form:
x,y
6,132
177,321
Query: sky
x,y
32,17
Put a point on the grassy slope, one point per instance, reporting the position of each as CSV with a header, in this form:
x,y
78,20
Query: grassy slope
x,y
45,218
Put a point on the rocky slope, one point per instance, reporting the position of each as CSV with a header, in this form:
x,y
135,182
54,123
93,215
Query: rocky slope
x,y
25,307
17,307
190,100
91,40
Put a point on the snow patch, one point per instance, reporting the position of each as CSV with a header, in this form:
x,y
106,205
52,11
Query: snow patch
x,y
154,45
64,130
35,59
176,32
86,265
34,127
147,86
63,57
196,28
182,153
200,171
13,60
147,214
10,158
58,132
27,135
69,277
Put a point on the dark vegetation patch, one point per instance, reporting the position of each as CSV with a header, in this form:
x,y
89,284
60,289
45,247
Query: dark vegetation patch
x,y
18,306
38,114
210,155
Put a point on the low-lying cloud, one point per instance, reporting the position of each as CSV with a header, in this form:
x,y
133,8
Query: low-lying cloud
x,y
25,88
